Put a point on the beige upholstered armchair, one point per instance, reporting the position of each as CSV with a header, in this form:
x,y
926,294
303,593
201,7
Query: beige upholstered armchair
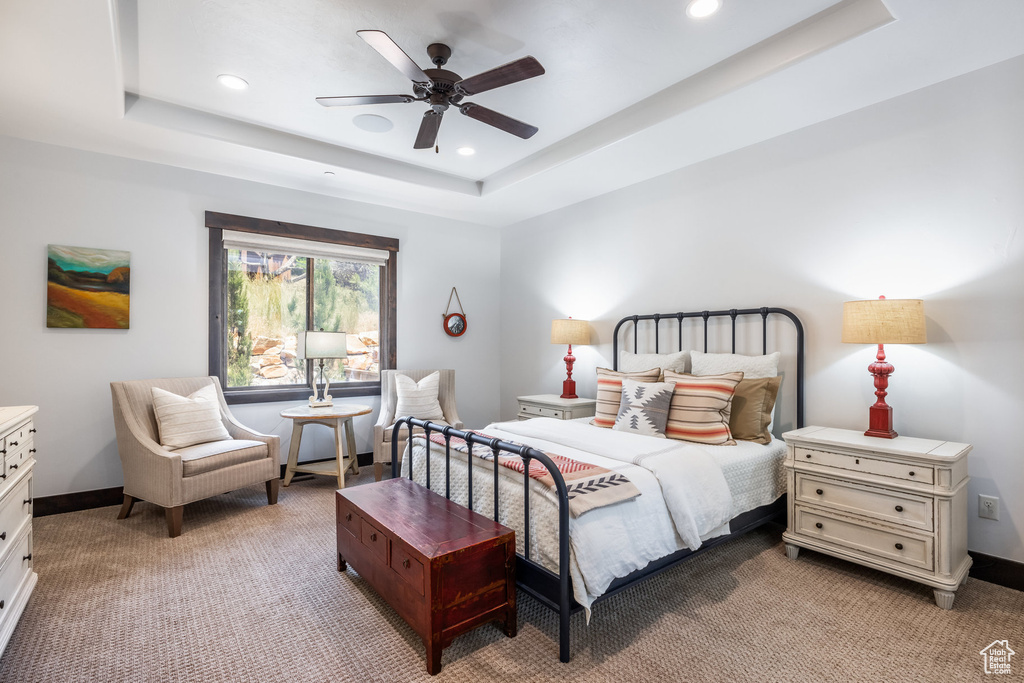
x,y
172,478
388,402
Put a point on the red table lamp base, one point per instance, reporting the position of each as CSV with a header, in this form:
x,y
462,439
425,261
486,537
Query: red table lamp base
x,y
569,385
880,414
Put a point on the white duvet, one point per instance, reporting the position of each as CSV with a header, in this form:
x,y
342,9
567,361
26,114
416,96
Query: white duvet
x,y
685,497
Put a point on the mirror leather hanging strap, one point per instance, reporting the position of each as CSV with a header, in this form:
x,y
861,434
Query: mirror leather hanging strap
x,y
454,323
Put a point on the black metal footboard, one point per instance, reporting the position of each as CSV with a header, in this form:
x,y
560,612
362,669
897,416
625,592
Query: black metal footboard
x,y
526,565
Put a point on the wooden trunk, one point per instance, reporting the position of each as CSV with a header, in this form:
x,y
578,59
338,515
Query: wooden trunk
x,y
442,567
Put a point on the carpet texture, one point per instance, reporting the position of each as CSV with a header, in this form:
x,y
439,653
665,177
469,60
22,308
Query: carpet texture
x,y
250,592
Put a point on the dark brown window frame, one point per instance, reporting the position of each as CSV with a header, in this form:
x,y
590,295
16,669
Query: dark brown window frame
x,y
217,223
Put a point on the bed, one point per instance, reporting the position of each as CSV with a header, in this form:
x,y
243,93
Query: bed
x,y
571,563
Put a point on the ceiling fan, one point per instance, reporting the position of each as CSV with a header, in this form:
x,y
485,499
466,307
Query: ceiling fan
x,y
443,89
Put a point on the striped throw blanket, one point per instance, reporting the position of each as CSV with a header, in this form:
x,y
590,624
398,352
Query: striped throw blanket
x,y
589,486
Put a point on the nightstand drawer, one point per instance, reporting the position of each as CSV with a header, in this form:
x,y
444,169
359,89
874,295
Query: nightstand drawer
x,y
925,475
541,411
898,508
905,548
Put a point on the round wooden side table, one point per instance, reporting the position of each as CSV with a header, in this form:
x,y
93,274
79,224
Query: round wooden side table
x,y
337,417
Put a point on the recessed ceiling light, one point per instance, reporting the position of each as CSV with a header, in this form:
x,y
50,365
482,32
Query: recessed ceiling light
x,y
328,173
233,82
466,151
698,9
373,123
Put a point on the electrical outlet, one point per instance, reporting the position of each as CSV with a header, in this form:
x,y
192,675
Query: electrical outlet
x,y
988,507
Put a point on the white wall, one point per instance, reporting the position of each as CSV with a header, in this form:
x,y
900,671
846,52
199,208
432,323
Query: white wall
x,y
918,197
53,195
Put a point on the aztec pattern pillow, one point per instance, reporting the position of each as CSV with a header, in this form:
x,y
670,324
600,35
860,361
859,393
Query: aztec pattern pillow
x,y
419,399
700,408
644,407
752,407
188,420
638,362
752,367
609,393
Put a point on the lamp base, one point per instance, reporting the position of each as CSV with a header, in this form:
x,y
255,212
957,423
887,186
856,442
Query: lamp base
x,y
568,389
321,404
880,422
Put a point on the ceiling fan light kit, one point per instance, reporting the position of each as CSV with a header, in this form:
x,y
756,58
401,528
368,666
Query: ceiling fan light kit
x,y
442,89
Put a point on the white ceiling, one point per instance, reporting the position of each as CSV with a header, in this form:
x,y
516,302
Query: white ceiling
x,y
632,90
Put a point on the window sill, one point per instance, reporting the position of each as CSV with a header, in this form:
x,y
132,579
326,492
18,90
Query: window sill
x,y
301,393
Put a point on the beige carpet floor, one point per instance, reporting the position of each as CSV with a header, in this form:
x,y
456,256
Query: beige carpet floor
x,y
251,592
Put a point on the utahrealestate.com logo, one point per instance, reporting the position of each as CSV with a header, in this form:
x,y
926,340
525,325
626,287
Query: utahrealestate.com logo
x,y
997,657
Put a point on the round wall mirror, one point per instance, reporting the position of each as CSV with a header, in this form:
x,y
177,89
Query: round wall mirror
x,y
455,324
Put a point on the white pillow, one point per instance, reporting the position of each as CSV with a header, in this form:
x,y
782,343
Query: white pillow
x,y
188,420
638,362
752,367
643,408
419,399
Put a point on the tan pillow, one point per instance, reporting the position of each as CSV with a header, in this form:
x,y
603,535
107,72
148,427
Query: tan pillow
x,y
701,406
609,393
188,420
752,407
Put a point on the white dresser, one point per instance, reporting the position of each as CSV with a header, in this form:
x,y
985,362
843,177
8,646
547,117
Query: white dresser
x,y
17,456
552,405
898,505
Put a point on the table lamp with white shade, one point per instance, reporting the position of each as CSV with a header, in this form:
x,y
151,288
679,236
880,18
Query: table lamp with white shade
x,y
570,331
319,346
883,321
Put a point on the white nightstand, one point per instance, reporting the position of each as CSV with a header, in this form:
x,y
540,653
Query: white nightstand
x,y
898,505
550,405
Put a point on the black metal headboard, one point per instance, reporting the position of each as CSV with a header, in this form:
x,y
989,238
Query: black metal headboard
x,y
733,314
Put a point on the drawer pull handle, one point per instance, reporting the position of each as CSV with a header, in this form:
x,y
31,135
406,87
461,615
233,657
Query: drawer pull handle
x,y
373,537
819,492
32,431
1,604
348,517
899,508
817,524
3,452
857,461
14,443
14,467
27,501
911,474
31,450
3,535
808,455
406,563
27,557
899,546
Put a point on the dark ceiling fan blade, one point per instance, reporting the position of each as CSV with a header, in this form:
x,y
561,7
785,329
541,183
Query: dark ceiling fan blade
x,y
427,137
364,99
500,121
513,72
390,51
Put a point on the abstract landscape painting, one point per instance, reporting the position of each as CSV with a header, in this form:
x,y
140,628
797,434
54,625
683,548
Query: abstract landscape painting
x,y
87,287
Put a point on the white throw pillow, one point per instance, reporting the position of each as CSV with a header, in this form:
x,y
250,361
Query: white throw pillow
x,y
638,362
644,407
419,399
188,420
752,367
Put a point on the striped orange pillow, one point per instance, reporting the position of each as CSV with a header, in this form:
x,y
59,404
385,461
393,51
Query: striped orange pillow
x,y
609,393
701,406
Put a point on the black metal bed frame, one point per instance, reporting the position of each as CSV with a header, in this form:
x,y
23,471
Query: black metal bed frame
x,y
555,590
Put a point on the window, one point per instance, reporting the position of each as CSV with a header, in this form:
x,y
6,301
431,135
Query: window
x,y
270,282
